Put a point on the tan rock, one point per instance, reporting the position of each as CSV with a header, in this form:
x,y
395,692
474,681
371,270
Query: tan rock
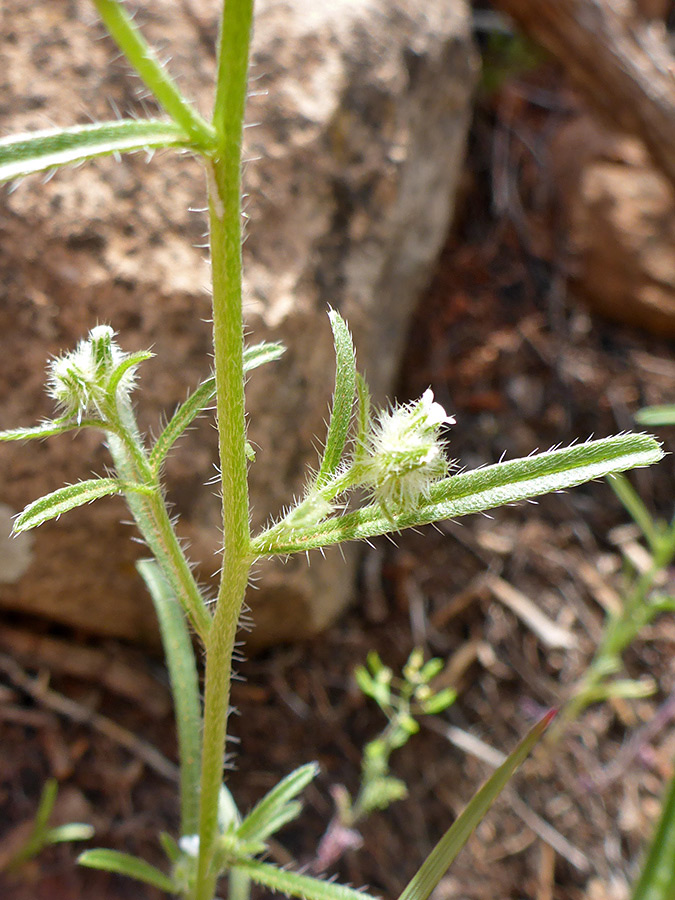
x,y
620,212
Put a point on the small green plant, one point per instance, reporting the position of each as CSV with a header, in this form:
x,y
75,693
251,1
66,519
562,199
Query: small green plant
x,y
403,700
42,834
643,601
379,472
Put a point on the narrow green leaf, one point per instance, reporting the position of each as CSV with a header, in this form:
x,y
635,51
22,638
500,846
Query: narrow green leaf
x,y
657,879
129,362
184,681
69,497
48,429
259,354
343,399
187,412
295,885
183,417
363,419
635,508
25,154
125,864
436,864
170,847
45,806
478,491
37,838
263,818
65,834
656,415
144,60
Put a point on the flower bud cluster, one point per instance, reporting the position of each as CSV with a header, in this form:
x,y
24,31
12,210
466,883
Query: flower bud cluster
x,y
81,381
406,453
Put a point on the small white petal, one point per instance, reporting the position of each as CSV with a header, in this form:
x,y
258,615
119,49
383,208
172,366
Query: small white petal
x,y
189,844
435,413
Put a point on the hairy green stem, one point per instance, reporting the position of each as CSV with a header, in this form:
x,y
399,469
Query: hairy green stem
x,y
154,523
228,338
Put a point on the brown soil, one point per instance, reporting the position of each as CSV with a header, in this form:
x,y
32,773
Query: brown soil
x,y
522,366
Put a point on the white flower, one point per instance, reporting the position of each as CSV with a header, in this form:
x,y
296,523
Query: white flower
x,y
406,453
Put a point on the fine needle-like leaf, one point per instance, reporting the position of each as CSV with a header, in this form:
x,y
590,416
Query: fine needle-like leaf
x,y
187,412
436,864
125,864
295,885
343,399
24,154
69,497
182,666
477,491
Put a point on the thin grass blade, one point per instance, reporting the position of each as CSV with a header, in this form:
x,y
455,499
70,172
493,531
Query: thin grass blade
x,y
436,864
657,879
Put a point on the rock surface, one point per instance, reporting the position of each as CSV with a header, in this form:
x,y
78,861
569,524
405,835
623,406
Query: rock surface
x,y
620,214
365,106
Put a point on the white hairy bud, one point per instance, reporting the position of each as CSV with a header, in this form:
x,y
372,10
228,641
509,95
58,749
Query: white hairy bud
x,y
406,453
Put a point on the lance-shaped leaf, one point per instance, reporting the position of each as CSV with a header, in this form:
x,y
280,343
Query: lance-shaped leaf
x,y
71,496
187,412
295,885
343,399
182,666
125,864
476,491
277,807
436,864
48,429
24,154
